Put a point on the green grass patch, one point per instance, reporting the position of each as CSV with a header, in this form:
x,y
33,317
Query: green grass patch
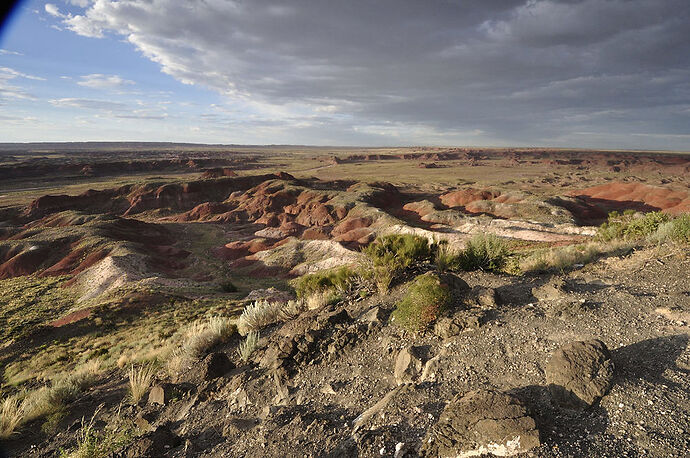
x,y
426,299
338,279
631,225
482,252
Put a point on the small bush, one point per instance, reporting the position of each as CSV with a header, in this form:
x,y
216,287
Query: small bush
x,y
426,298
338,279
561,258
319,299
483,252
447,258
140,379
677,230
629,226
248,345
11,416
258,315
292,309
201,336
399,251
228,287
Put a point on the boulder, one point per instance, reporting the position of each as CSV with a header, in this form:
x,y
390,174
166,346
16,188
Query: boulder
x,y
555,289
157,443
579,374
215,365
482,422
408,365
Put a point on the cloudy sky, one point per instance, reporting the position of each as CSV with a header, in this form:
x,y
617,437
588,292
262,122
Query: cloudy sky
x,y
574,73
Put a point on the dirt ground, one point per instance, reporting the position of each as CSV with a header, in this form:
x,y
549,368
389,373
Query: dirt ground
x,y
638,305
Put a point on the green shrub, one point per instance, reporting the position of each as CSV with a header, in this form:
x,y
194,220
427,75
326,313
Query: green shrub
x,y
677,230
447,259
228,287
483,252
399,251
426,299
565,257
630,227
392,254
309,284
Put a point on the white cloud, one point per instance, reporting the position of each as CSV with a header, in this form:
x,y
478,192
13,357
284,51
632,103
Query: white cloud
x,y
91,104
7,52
53,10
100,81
516,70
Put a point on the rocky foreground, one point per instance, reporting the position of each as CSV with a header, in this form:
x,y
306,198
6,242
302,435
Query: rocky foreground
x,y
592,363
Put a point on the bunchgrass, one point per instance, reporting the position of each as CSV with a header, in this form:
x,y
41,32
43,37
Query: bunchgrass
x,y
248,346
140,379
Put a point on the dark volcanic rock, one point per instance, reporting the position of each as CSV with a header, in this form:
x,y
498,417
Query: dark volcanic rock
x,y
482,422
154,444
215,365
580,373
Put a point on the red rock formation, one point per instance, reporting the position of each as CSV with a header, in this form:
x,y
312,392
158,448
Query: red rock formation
x,y
465,196
620,196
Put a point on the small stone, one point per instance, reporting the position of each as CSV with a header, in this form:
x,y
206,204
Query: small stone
x,y
408,365
553,290
158,395
486,297
328,389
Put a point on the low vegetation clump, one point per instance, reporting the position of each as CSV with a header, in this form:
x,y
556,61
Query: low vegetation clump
x,y
447,258
258,315
426,299
392,254
631,225
201,336
228,287
399,251
11,415
676,230
335,279
482,252
248,346
562,258
92,443
140,379
48,401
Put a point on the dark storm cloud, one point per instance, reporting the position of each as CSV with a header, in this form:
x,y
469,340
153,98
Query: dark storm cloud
x,y
503,71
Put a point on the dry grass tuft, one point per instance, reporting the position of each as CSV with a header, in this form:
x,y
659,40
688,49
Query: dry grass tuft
x,y
48,400
140,379
248,346
561,258
11,416
257,316
201,336
291,310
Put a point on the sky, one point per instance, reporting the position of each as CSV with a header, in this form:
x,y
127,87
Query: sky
x,y
562,73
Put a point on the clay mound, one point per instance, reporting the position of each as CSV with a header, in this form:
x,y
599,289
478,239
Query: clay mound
x,y
422,207
25,262
463,197
637,196
134,199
